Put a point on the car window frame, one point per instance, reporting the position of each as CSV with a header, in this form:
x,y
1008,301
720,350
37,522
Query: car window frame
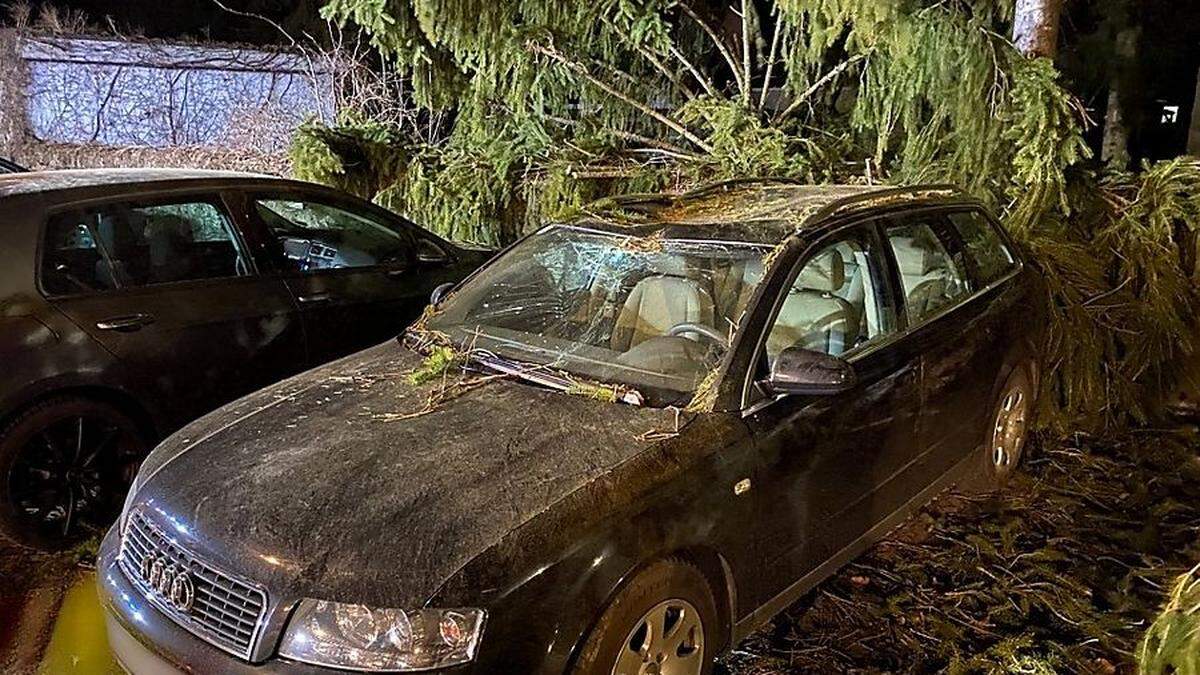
x,y
817,242
996,229
217,196
896,219
407,230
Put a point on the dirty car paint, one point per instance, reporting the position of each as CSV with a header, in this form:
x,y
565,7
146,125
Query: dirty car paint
x,y
293,484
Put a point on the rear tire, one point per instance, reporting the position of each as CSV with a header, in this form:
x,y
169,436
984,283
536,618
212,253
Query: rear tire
x,y
1010,421
663,622
65,465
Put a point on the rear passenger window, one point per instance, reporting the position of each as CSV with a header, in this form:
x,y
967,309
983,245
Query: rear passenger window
x,y
124,245
933,269
984,246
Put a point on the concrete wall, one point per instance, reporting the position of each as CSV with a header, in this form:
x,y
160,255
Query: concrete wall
x,y
111,102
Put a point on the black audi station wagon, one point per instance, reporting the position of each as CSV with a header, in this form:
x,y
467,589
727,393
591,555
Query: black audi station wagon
x,y
617,448
135,300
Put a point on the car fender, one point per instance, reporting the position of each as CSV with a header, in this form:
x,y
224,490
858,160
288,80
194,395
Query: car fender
x,y
599,537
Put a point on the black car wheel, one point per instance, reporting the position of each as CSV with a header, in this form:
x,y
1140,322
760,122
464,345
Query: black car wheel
x,y
1011,420
663,622
65,465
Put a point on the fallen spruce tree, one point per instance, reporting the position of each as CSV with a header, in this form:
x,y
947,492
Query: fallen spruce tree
x,y
526,111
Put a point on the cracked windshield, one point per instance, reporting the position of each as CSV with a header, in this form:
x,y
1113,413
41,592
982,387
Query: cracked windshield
x,y
652,313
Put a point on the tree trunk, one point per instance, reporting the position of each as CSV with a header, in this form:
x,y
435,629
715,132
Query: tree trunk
x,y
1114,151
1035,27
1193,146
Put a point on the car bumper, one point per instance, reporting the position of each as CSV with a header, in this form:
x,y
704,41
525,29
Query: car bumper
x,y
144,642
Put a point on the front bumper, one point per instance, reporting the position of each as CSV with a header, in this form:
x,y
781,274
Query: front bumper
x,y
145,642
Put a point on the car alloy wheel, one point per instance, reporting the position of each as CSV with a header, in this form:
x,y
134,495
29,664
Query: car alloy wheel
x,y
1008,430
667,640
64,467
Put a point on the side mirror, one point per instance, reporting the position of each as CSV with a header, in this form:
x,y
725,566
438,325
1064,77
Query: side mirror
x,y
440,293
429,253
803,371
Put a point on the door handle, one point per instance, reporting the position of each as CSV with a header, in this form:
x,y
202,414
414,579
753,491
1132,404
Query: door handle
x,y
125,324
396,272
313,299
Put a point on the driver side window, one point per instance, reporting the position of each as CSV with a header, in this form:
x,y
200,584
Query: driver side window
x,y
837,301
313,236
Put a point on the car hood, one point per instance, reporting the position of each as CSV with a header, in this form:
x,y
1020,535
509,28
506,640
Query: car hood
x,y
326,485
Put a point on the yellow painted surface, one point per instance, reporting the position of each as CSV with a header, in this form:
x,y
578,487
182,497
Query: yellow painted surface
x,y
78,643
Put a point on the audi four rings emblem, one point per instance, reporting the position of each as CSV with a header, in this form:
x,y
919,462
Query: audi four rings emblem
x,y
170,582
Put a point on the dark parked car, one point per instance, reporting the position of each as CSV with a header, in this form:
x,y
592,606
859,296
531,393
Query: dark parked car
x,y
664,427
134,301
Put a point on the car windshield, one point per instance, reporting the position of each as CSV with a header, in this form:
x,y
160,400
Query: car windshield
x,y
652,313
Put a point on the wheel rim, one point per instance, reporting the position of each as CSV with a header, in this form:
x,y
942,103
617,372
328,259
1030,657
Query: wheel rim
x,y
69,477
667,640
1008,432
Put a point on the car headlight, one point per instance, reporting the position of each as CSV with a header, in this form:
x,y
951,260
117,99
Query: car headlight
x,y
341,635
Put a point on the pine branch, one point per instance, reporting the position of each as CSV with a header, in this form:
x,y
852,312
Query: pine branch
x,y
579,69
721,46
654,144
816,86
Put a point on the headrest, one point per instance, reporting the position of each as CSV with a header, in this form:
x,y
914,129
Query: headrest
x,y
825,272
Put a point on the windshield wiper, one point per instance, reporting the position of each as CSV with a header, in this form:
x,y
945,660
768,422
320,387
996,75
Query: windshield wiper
x,y
545,375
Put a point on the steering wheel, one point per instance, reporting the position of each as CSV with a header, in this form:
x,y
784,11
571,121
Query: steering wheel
x,y
699,329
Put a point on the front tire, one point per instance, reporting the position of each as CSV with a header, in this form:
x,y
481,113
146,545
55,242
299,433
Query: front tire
x,y
663,622
65,465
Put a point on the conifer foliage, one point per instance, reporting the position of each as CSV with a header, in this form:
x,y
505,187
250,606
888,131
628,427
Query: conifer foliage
x,y
538,107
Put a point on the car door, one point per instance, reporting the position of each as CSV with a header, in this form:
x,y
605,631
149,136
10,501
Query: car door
x,y
167,286
951,314
359,275
833,467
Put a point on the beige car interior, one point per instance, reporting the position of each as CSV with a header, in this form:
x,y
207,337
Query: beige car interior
x,y
713,297
825,309
656,304
927,273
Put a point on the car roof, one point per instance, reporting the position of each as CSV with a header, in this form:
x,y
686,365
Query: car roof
x,y
73,179
759,211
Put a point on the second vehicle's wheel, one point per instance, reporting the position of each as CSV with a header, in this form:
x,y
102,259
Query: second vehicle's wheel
x,y
663,622
1010,423
65,465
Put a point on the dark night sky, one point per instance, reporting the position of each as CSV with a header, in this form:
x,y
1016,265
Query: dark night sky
x,y
197,18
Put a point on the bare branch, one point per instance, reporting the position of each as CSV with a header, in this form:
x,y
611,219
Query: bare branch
x,y
746,9
553,54
260,17
766,86
824,80
721,46
704,81
667,72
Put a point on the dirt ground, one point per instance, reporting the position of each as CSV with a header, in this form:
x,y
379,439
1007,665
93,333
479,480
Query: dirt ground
x,y
1060,574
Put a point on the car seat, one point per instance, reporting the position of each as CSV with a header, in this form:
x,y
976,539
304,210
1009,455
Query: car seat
x,y
655,305
813,316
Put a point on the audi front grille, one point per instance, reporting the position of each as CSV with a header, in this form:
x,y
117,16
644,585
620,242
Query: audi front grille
x,y
221,610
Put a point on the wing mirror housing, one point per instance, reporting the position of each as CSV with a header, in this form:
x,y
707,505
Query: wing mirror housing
x,y
429,253
807,372
439,294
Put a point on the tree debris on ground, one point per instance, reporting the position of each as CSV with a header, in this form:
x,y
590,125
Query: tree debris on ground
x,y
1062,574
